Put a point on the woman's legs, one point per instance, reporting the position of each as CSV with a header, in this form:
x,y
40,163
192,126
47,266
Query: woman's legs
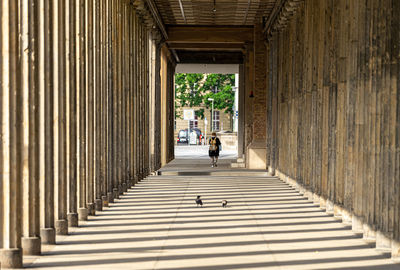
x,y
212,161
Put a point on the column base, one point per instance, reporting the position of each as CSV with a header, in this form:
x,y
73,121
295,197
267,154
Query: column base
x,y
383,242
104,200
395,249
357,224
61,226
91,210
369,232
329,207
256,157
110,196
72,219
316,199
98,205
83,214
48,236
31,245
271,171
11,258
322,203
116,193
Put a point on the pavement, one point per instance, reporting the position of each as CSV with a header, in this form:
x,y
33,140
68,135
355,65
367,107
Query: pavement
x,y
156,225
183,151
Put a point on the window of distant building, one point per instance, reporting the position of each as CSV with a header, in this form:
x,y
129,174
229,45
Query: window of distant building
x,y
216,122
194,123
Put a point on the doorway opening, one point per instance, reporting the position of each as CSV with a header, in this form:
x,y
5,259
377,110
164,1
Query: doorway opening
x,y
206,101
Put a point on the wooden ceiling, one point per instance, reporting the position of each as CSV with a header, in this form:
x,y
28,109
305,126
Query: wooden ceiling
x,y
201,12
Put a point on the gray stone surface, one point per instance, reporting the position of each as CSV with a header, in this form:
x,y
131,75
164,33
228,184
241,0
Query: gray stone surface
x,y
267,225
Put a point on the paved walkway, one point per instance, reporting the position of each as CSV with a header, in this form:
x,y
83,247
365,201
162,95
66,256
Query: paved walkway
x,y
267,225
201,152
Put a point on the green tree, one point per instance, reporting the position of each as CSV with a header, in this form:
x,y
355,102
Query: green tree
x,y
193,90
219,88
188,92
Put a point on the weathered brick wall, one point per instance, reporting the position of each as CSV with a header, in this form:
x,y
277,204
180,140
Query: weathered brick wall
x,y
259,100
333,105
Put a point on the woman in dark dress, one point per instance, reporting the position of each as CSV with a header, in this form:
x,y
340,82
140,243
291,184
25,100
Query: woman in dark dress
x,y
213,151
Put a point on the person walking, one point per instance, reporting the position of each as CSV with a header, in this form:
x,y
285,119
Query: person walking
x,y
213,151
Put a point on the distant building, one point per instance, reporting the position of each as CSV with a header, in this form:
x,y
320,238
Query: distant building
x,y
221,121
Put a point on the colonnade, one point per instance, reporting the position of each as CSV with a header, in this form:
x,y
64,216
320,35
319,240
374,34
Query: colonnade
x,y
75,113
333,111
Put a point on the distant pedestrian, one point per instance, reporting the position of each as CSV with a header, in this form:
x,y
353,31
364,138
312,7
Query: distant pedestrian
x,y
213,151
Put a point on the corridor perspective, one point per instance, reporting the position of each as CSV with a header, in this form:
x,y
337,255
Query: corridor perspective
x,y
90,178
266,225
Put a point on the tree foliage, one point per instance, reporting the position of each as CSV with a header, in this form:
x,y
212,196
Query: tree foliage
x,y
193,90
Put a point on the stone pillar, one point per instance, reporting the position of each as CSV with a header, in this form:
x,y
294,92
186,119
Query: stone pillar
x,y
133,95
98,90
141,101
110,100
81,89
129,86
114,93
46,123
147,100
90,106
31,243
60,104
249,85
123,89
136,139
11,139
71,92
105,150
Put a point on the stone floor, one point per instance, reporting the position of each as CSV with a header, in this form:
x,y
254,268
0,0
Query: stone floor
x,y
156,225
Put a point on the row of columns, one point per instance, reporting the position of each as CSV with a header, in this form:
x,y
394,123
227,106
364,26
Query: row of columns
x,y
333,111
75,88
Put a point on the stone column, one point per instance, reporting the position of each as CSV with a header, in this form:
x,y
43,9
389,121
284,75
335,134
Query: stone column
x,y
71,92
98,89
123,77
31,243
146,115
141,100
46,123
110,102
60,103
81,89
90,106
135,99
11,129
129,96
132,98
116,100
104,102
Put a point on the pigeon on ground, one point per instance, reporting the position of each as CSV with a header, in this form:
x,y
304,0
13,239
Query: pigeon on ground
x,y
224,203
199,202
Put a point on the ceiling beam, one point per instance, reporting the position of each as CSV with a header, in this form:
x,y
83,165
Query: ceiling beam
x,y
206,46
209,34
182,11
247,12
193,57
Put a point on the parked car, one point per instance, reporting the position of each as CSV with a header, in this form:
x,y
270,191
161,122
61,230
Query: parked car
x,y
183,136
